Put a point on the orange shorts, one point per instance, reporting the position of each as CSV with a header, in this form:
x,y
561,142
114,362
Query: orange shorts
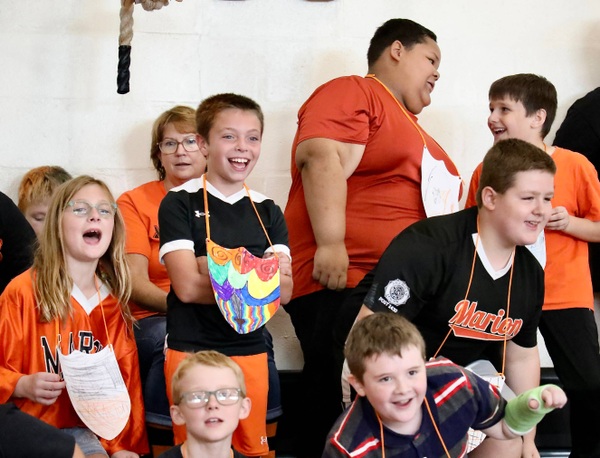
x,y
250,437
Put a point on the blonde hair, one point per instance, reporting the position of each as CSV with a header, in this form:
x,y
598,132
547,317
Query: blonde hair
x,y
209,358
39,184
52,283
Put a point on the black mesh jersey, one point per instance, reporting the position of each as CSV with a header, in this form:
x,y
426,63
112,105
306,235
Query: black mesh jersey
x,y
424,275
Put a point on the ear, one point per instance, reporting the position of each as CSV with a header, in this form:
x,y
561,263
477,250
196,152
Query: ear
x,y
396,50
202,144
538,119
488,197
177,416
358,386
245,407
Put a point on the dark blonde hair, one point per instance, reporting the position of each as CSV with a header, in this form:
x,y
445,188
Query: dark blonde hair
x,y
209,358
39,184
208,110
379,333
507,158
52,283
533,91
183,119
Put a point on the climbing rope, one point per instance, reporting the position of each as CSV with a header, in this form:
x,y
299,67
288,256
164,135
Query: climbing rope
x,y
125,36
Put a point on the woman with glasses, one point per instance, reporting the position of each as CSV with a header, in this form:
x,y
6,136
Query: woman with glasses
x,y
176,157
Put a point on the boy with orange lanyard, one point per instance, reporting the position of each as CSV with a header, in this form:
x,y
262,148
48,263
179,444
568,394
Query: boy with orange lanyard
x,y
206,226
411,408
359,147
524,106
466,280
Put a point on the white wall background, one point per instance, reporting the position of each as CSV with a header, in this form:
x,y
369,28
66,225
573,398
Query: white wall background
x,y
59,105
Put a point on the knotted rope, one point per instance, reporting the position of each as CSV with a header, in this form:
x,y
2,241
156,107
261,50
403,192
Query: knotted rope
x,y
125,36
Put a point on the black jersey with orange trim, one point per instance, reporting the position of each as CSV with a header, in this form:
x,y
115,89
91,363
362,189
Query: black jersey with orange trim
x,y
233,223
424,275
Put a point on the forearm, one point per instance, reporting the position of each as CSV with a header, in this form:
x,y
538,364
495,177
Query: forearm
x,y
583,229
325,191
149,296
522,374
189,277
522,368
286,286
198,291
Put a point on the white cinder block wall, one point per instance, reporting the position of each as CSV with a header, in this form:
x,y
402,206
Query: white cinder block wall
x,y
59,105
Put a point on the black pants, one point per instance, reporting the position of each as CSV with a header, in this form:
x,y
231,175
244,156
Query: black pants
x,y
571,338
313,317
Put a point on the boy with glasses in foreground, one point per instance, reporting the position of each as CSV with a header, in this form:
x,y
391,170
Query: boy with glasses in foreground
x,y
210,398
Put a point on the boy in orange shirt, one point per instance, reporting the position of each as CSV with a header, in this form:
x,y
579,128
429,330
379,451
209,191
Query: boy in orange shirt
x,y
523,106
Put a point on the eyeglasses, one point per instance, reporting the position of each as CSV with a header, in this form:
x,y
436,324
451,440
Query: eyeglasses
x,y
83,208
170,145
224,396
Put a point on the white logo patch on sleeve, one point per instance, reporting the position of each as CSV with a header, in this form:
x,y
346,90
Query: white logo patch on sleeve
x,y
396,292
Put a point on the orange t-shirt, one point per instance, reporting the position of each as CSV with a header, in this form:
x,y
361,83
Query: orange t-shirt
x,y
568,282
384,192
139,208
28,346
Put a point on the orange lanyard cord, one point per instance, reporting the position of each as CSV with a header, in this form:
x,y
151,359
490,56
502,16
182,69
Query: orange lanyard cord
x,y
58,340
439,434
253,206
512,260
102,310
412,121
382,440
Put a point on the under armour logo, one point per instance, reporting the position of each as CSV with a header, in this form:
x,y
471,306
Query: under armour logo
x,y
263,440
199,214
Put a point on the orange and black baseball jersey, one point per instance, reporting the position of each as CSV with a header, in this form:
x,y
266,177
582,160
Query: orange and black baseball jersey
x,y
28,346
424,275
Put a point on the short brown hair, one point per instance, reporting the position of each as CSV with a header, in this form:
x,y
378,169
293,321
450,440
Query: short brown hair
x,y
208,110
183,119
533,91
209,358
507,158
379,333
39,184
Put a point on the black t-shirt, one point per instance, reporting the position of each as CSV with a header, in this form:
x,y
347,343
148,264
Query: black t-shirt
x,y
175,452
17,240
233,223
424,275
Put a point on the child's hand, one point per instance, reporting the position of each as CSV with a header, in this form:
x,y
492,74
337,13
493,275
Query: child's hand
x,y
552,396
285,263
559,219
40,387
